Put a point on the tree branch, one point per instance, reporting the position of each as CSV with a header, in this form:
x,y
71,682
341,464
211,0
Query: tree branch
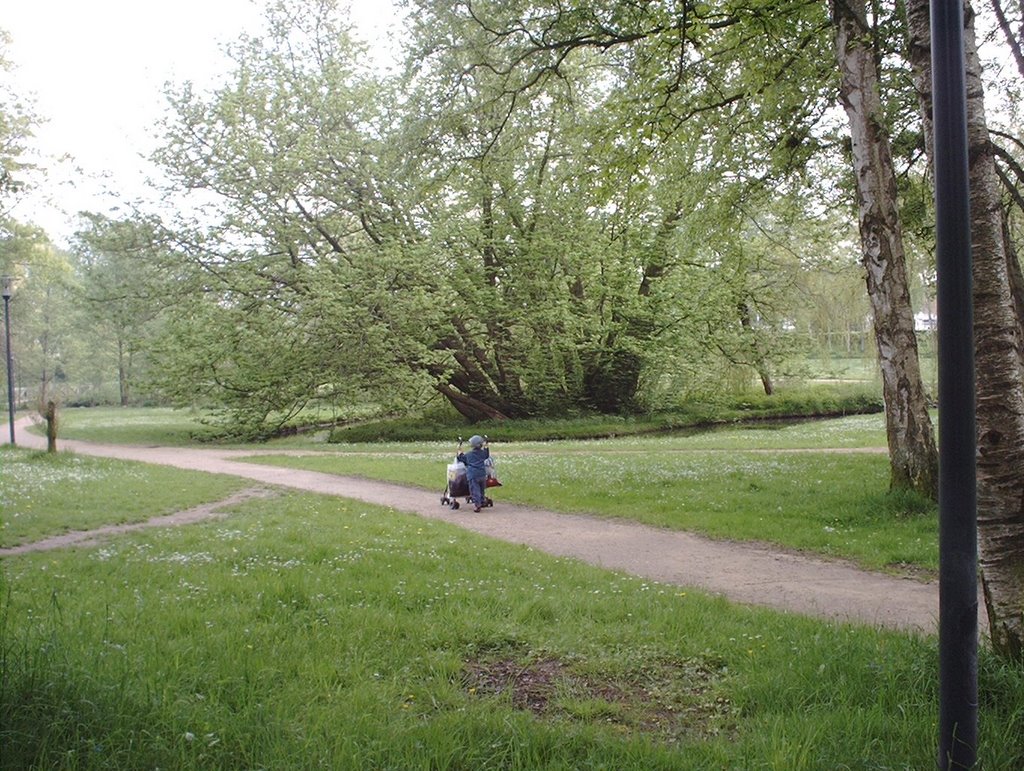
x,y
1011,41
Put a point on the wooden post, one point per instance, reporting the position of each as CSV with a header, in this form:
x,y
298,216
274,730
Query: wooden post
x,y
51,426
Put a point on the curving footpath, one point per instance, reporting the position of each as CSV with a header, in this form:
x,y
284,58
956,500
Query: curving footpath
x,y
747,573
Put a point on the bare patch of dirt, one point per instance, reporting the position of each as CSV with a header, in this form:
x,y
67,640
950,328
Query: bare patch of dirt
x,y
531,686
662,699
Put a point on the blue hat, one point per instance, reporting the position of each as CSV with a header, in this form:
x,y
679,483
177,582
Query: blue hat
x,y
476,441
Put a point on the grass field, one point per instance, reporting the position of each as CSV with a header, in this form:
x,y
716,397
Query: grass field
x,y
304,631
783,485
132,425
43,494
831,504
759,483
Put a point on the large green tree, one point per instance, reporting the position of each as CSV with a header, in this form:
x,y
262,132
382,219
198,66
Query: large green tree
x,y
432,232
754,82
300,254
125,291
45,340
677,144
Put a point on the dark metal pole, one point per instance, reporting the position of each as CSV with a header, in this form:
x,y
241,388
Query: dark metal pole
x,y
958,529
10,366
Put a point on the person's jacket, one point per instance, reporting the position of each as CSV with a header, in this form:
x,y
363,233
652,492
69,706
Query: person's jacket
x,y
474,460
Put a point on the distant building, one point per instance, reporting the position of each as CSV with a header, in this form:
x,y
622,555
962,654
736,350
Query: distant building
x,y
927,320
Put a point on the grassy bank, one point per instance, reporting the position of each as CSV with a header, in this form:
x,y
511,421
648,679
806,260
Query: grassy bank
x,y
753,408
168,427
178,427
305,631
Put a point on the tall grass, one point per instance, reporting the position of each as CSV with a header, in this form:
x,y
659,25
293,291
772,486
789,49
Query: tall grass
x,y
309,632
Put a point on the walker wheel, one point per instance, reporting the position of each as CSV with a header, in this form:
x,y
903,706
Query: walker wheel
x,y
455,504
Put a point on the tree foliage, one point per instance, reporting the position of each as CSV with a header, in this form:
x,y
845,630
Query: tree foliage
x,y
124,290
505,243
17,120
555,207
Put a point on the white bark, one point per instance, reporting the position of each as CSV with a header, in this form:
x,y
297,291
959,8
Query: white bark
x,y
912,452
999,387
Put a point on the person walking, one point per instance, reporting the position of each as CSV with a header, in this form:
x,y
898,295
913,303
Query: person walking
x,y
476,469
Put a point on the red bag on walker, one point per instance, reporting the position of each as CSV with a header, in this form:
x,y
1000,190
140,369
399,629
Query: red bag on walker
x,y
492,475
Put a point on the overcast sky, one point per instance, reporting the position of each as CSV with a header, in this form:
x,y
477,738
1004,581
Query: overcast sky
x,y
96,70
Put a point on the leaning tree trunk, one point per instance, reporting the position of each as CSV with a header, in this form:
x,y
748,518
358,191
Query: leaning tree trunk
x,y
913,457
758,359
999,388
473,409
472,386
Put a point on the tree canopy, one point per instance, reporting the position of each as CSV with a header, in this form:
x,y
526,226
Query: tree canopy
x,y
513,222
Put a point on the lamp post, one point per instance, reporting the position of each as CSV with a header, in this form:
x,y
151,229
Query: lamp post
x,y
8,284
958,494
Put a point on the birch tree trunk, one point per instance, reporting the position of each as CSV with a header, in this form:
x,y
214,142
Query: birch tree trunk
x,y
913,456
999,387
1016,279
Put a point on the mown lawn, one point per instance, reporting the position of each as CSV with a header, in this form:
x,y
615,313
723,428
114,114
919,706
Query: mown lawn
x,y
45,494
132,425
814,486
777,489
305,631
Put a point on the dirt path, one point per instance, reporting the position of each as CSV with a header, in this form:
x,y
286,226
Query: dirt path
x,y
95,536
746,573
